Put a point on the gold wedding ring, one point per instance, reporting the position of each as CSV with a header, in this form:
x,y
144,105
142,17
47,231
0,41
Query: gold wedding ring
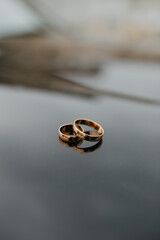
x,y
79,131
72,135
67,133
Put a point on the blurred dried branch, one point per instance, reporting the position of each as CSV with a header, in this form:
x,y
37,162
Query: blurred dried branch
x,y
38,61
31,62
34,62
41,53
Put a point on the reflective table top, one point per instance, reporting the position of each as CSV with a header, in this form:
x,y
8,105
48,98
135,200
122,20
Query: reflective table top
x,y
50,191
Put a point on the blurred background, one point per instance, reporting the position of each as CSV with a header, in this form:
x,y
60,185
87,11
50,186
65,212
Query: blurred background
x,y
41,41
65,59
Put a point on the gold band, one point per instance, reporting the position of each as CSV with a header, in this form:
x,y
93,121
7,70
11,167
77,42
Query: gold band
x,y
67,133
90,123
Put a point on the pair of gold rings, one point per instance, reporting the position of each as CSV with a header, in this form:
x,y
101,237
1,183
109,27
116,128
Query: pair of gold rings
x,y
73,133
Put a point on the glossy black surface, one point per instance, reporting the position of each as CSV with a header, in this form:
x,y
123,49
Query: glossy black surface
x,y
48,191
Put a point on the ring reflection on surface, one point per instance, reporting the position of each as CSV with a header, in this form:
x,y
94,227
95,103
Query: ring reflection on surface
x,y
89,149
75,145
70,144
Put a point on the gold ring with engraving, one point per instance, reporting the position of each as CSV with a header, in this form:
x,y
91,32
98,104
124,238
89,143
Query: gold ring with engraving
x,y
67,133
78,130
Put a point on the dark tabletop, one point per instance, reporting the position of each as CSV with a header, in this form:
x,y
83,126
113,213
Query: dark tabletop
x,y
49,191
